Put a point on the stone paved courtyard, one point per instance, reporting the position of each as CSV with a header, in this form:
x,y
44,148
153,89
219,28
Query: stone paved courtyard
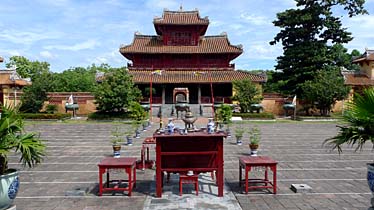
x,y
74,149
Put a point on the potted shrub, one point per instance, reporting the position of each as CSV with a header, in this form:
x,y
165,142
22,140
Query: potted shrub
x,y
239,135
254,140
224,115
116,139
138,115
13,138
129,136
359,116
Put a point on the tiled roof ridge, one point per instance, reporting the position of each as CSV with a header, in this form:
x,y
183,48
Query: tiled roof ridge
x,y
181,12
223,35
368,52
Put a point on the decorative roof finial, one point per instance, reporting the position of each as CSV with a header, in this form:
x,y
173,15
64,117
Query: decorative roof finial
x,y
181,8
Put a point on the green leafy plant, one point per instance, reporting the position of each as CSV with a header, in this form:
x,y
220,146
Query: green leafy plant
x,y
51,108
116,136
224,113
14,138
254,135
360,118
246,93
239,132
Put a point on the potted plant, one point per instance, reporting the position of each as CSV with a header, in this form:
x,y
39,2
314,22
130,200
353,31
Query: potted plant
x,y
224,115
359,116
254,140
129,136
13,138
138,115
116,139
239,135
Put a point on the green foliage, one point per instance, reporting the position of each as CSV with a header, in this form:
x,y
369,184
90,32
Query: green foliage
x,y
34,96
27,68
137,112
274,82
51,108
224,113
13,138
254,135
246,93
325,89
117,136
360,118
264,115
116,91
76,79
341,57
45,116
239,132
306,33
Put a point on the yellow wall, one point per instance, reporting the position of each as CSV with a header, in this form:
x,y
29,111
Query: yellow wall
x,y
368,68
8,96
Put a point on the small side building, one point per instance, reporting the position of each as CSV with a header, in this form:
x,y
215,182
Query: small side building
x,y
363,78
11,85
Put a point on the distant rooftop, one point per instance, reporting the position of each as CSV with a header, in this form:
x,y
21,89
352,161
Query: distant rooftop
x,y
367,56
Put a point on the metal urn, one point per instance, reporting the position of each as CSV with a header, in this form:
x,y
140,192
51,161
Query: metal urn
x,y
189,121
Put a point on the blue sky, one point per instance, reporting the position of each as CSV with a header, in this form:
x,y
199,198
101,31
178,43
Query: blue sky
x,y
70,33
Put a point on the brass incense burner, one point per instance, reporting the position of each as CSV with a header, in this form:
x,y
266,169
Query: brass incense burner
x,y
189,121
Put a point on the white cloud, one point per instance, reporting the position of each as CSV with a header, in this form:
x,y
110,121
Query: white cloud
x,y
26,37
363,21
46,54
256,20
89,44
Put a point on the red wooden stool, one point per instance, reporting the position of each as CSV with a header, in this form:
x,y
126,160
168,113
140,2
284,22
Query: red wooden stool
x,y
247,162
126,163
185,179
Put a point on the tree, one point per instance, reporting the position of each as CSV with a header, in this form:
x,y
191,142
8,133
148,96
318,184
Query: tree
x,y
341,57
33,96
76,79
305,35
325,89
273,83
27,68
116,91
246,93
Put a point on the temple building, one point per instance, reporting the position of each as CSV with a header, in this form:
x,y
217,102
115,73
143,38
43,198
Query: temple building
x,y
182,63
365,77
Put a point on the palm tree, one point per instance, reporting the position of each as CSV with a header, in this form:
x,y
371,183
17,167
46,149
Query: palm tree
x,y
360,118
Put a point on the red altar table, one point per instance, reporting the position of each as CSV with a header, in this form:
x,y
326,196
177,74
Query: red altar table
x,y
126,163
197,151
248,162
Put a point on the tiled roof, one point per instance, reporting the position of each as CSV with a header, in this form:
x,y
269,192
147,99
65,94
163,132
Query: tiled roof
x,y
367,56
188,76
357,79
207,44
5,76
181,18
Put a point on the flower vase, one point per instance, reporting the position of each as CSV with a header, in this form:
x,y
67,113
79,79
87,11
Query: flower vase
x,y
370,178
